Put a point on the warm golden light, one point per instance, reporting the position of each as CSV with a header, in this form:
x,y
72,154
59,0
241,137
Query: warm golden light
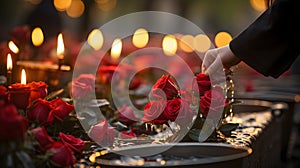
x,y
9,62
202,43
76,9
62,5
12,46
140,38
23,77
106,5
37,36
169,45
222,39
116,49
258,5
60,47
187,43
95,39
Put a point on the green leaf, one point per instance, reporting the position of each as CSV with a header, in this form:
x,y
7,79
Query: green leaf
x,y
54,94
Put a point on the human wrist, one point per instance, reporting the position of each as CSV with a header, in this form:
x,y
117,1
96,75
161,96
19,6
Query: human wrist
x,y
228,58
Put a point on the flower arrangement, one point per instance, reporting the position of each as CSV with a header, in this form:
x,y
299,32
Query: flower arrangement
x,y
41,136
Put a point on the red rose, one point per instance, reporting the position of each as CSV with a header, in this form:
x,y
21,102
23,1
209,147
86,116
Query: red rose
x,y
19,95
167,84
39,111
106,73
102,133
127,115
42,137
203,83
153,112
214,103
3,94
127,134
172,109
12,125
60,109
186,114
82,85
76,144
61,155
135,83
38,90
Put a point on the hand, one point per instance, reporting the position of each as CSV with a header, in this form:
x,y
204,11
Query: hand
x,y
217,59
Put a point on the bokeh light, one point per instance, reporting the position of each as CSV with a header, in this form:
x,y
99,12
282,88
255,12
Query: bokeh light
x,y
76,9
95,39
202,43
169,45
222,39
140,38
62,5
258,5
186,43
37,36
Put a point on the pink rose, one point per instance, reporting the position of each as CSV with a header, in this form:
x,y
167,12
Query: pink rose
x,y
154,112
82,85
61,155
219,101
39,111
203,83
76,144
127,115
42,137
186,114
102,133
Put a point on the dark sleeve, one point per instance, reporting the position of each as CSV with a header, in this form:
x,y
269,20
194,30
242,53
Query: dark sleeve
x,y
272,42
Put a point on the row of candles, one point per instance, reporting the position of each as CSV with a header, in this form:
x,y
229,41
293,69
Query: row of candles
x,y
14,49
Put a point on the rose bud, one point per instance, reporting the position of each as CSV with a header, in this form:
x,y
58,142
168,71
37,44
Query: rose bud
x,y
172,109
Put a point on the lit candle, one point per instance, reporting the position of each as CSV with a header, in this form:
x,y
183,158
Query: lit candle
x,y
9,69
60,49
12,46
23,77
116,49
19,93
169,45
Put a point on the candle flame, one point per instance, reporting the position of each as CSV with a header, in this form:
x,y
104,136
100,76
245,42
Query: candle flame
x,y
9,62
116,49
60,47
37,36
140,38
23,77
12,46
169,45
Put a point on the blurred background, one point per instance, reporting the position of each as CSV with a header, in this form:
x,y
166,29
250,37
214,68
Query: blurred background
x,y
79,17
